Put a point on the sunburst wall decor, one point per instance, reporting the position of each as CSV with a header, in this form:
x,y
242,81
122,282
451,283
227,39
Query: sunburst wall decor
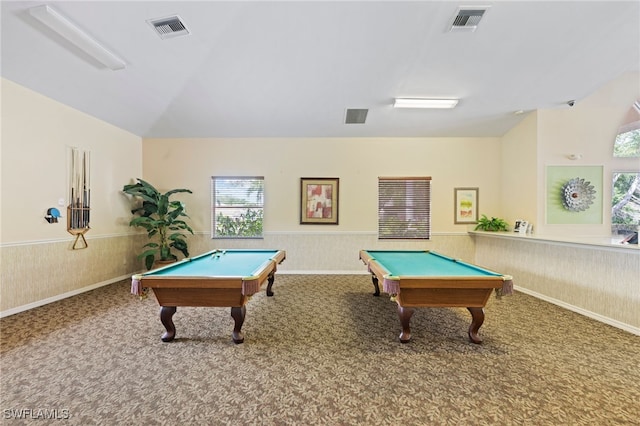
x,y
574,195
578,194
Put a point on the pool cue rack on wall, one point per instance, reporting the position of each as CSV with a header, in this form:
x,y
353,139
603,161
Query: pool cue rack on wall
x,y
78,224
80,196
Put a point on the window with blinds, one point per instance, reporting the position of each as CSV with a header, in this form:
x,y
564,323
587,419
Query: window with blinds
x,y
237,206
404,208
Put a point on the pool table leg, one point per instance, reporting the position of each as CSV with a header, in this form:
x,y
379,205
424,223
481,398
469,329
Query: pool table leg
x,y
405,315
375,285
270,281
166,315
238,313
477,315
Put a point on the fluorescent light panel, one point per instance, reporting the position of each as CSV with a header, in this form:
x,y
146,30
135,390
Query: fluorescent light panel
x,y
424,103
75,35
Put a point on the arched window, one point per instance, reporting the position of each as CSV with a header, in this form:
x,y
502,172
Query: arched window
x,y
627,143
625,191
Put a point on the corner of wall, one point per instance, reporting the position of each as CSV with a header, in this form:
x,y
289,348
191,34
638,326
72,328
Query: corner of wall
x,y
519,171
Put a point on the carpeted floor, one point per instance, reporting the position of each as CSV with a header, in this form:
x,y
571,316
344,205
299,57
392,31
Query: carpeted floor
x,y
322,351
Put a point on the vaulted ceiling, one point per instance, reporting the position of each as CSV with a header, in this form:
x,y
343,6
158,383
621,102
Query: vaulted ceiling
x,y
293,68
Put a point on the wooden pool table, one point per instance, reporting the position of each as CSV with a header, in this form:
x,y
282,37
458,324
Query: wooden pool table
x,y
429,279
219,278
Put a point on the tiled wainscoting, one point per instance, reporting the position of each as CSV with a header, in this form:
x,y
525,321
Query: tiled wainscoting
x,y
334,252
36,273
597,281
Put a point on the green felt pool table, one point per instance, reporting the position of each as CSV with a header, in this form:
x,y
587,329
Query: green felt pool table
x,y
219,278
429,279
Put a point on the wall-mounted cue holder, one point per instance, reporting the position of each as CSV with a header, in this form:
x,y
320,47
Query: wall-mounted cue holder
x,y
80,196
78,224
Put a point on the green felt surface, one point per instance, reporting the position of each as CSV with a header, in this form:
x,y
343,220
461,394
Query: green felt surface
x,y
425,263
233,263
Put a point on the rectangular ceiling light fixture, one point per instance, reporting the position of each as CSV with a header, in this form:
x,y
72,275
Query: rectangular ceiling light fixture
x,y
424,103
75,35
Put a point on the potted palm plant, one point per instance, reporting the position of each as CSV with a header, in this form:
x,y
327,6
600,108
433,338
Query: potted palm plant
x,y
162,218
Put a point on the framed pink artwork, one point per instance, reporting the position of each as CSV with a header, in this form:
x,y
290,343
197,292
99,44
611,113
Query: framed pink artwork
x,y
319,201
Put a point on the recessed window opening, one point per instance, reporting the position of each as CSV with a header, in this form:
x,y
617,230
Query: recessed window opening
x,y
404,208
237,206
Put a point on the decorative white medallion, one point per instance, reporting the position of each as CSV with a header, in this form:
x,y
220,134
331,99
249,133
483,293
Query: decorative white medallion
x,y
577,195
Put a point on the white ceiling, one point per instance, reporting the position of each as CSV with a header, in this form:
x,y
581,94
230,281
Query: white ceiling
x,y
291,69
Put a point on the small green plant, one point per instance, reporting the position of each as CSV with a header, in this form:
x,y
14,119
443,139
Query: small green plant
x,y
493,224
162,219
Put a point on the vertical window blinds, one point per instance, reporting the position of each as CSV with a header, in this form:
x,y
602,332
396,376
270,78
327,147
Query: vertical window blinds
x,y
404,208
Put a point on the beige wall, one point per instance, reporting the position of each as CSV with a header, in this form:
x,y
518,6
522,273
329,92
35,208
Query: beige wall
x,y
589,128
451,162
37,260
548,137
519,171
37,134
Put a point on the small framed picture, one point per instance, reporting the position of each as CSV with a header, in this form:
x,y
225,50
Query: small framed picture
x,y
466,205
319,201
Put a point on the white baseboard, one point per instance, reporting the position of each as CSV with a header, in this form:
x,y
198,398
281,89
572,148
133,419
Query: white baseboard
x,y
43,302
597,317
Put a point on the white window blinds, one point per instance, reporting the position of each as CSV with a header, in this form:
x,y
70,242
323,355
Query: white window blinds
x,y
404,208
237,206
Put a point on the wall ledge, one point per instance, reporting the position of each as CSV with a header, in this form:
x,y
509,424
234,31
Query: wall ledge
x,y
578,241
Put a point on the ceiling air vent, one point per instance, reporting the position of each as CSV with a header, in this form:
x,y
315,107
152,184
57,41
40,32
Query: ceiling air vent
x,y
169,27
356,116
467,18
